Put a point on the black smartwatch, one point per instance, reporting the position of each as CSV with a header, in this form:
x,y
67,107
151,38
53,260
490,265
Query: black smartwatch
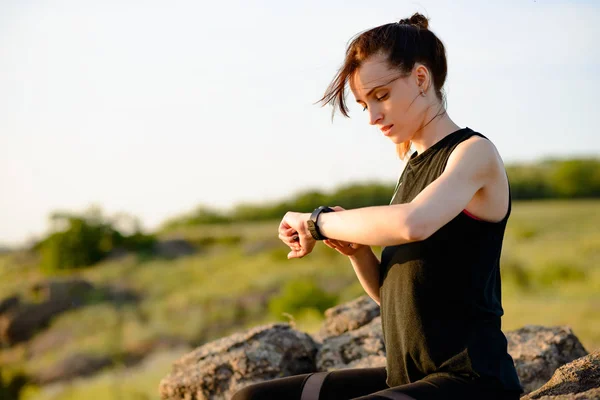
x,y
313,228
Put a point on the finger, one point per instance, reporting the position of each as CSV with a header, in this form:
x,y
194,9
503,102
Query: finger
x,y
295,254
294,246
338,243
287,232
337,208
283,225
328,244
333,244
293,237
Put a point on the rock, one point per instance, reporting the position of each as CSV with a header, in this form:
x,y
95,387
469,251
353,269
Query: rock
x,y
359,348
9,303
72,367
117,293
62,291
22,320
352,337
117,253
19,321
592,394
538,351
578,378
219,368
347,317
173,248
19,325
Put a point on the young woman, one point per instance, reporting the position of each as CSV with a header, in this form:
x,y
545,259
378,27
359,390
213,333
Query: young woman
x,y
438,280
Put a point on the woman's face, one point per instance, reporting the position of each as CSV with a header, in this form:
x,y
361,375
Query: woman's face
x,y
393,101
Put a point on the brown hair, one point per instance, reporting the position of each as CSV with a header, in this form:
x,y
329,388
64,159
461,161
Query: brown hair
x,y
403,43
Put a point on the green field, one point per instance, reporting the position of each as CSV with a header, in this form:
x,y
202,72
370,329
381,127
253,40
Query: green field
x,y
550,277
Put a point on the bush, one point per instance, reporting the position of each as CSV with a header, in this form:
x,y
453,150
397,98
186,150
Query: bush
x,y
11,384
556,273
200,216
83,240
513,270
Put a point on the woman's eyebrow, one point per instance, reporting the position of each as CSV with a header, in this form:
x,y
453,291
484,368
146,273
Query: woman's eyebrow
x,y
377,87
371,91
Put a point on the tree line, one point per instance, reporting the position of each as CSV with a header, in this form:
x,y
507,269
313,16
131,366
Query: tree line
x,y
84,239
547,179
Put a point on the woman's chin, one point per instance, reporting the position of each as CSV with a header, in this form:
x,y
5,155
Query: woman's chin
x,y
397,140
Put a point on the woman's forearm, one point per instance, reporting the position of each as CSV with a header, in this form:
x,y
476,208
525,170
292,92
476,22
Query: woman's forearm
x,y
373,226
366,267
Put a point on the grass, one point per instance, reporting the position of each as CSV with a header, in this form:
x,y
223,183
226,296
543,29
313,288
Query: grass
x,y
549,265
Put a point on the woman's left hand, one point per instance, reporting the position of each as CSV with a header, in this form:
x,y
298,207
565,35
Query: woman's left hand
x,y
293,231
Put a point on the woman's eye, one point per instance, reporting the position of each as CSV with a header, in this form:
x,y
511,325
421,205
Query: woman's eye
x,y
382,98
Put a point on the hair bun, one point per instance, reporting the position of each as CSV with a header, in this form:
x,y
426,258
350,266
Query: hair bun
x,y
417,19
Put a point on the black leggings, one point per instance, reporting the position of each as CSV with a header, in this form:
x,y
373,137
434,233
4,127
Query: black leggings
x,y
369,383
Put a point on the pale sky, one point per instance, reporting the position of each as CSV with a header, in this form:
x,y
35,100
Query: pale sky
x,y
154,107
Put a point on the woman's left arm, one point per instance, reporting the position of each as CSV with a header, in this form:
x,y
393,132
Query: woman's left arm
x,y
470,167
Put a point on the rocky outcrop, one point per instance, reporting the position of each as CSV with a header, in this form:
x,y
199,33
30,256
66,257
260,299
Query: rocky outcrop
x,y
9,303
20,320
348,317
360,348
579,379
538,351
219,368
173,248
351,337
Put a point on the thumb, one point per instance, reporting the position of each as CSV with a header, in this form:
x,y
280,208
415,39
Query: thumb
x,y
337,208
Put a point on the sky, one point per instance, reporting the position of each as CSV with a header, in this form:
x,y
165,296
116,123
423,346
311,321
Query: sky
x,y
152,108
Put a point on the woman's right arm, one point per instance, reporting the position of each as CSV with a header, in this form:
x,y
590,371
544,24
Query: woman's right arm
x,y
366,267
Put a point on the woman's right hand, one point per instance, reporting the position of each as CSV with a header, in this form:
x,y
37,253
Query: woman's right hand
x,y
345,248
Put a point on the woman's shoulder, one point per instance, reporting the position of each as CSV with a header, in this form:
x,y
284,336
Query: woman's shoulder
x,y
476,148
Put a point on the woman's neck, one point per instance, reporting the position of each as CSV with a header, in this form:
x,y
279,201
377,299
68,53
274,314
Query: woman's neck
x,y
436,130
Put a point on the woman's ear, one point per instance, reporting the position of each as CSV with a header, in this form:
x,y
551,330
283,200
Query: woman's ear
x,y
422,76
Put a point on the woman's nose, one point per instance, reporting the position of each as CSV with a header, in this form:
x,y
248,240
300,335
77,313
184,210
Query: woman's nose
x,y
374,116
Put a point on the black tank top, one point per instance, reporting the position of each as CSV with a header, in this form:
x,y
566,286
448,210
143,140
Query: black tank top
x,y
441,297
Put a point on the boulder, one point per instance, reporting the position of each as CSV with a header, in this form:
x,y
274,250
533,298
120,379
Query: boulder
x,y
592,394
9,303
351,337
359,348
20,321
219,368
579,379
173,248
348,317
538,351
63,291
24,322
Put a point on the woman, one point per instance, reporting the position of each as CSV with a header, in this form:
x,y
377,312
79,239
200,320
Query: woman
x,y
438,280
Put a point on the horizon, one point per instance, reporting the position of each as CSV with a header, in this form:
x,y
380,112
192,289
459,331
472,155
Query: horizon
x,y
155,110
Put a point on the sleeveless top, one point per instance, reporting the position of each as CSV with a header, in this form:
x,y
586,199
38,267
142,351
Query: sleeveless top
x,y
441,297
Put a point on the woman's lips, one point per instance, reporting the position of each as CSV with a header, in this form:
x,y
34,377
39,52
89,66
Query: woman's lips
x,y
387,129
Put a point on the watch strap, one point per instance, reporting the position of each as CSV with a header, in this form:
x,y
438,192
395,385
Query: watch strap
x,y
313,222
